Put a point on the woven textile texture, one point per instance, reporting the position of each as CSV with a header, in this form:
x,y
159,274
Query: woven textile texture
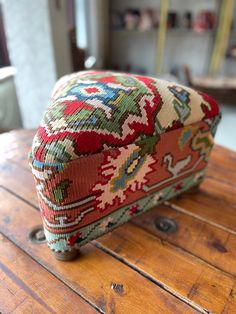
x,y
111,146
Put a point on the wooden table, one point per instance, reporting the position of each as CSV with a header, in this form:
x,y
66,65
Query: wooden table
x,y
218,82
222,88
134,269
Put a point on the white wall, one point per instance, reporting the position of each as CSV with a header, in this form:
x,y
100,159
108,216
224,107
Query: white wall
x,y
30,47
92,23
60,37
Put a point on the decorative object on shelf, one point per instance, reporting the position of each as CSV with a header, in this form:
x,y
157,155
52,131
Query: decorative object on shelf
x,y
107,150
187,21
232,52
134,19
205,20
131,19
145,20
149,18
173,20
155,17
117,20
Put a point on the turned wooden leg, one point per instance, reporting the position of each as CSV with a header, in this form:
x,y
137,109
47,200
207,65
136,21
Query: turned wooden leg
x,y
194,189
66,256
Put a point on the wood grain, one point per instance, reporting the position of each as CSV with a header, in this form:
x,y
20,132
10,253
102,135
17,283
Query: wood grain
x,y
19,181
180,272
135,268
95,275
14,142
222,165
215,202
26,287
197,237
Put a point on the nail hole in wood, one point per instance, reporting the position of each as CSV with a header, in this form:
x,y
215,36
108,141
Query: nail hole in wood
x,y
118,288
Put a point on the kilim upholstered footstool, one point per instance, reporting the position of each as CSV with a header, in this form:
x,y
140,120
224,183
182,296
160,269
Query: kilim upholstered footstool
x,y
113,145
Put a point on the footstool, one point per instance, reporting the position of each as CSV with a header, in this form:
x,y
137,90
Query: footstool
x,y
113,145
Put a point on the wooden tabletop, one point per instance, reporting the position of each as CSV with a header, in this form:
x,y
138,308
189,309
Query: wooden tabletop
x,y
133,269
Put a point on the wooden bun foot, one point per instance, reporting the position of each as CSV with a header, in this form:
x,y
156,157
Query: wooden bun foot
x,y
194,189
66,256
191,191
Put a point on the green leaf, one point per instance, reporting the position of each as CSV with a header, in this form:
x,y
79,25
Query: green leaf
x,y
148,145
60,191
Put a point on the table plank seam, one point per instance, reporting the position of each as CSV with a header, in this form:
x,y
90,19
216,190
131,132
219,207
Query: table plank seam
x,y
176,247
114,255
27,252
168,204
150,278
221,180
27,289
183,250
20,197
184,211
21,163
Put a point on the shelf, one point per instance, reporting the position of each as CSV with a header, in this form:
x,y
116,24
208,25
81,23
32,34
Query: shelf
x,y
190,32
174,31
134,31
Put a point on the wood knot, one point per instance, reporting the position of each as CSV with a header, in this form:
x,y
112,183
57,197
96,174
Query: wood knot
x,y
118,288
219,247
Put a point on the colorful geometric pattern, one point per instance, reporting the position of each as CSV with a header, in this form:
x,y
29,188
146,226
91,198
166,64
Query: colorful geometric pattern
x,y
127,171
113,145
93,111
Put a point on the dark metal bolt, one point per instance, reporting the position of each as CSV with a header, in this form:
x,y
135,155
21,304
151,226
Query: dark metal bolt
x,y
40,236
166,225
36,235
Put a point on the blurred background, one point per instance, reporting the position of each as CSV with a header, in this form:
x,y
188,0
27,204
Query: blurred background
x,y
188,41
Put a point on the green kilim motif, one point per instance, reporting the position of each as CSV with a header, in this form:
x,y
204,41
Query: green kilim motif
x,y
60,191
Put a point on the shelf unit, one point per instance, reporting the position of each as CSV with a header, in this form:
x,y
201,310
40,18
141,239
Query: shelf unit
x,y
137,50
